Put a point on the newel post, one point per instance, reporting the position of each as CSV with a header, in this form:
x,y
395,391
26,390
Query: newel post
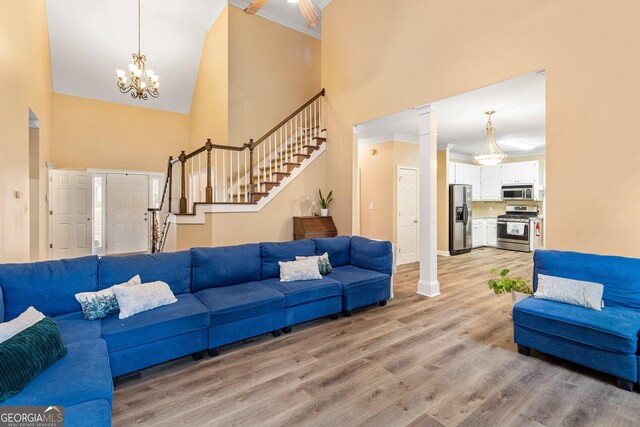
x,y
183,186
209,189
170,181
251,170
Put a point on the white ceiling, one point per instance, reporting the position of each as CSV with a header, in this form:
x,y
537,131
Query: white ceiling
x,y
520,115
90,39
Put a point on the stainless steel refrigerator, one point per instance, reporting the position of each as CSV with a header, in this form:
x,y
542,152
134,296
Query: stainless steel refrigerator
x,y
460,219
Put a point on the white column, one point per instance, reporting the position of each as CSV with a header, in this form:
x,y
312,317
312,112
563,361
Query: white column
x,y
428,284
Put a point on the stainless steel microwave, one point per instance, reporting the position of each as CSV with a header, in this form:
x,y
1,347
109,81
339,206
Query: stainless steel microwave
x,y
517,192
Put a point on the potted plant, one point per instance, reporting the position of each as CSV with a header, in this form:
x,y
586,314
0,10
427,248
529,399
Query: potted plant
x,y
324,203
517,286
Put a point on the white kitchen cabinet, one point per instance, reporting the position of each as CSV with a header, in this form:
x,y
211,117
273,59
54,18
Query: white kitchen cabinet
x,y
476,181
521,173
478,233
462,173
492,232
491,182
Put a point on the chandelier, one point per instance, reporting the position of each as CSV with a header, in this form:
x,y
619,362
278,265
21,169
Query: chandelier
x,y
489,152
144,83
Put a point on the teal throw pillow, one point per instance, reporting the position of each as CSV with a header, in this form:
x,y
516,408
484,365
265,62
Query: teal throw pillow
x,y
25,355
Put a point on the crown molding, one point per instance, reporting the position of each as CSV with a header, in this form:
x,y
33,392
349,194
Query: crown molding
x,y
389,137
313,32
221,4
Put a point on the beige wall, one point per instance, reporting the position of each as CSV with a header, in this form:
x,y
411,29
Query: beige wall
x,y
252,75
25,82
377,187
273,223
210,104
378,177
441,49
96,134
273,70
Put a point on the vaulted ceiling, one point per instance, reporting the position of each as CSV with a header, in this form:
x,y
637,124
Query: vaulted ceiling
x,y
90,39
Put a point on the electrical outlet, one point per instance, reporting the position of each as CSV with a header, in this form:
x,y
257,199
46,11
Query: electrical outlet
x,y
370,206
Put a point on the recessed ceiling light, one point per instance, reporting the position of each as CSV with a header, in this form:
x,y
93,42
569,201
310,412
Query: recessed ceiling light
x,y
292,1
518,143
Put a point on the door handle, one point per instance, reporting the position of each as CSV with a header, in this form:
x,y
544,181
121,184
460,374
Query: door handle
x,y
415,221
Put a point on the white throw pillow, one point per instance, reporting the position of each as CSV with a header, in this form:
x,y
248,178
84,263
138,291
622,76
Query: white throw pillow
x,y
30,317
324,266
96,305
569,291
138,298
304,269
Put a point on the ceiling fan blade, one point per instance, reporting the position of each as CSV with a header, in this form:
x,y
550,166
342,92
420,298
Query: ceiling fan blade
x,y
309,12
255,6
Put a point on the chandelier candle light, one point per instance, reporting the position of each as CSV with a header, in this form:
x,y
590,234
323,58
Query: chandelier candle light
x,y
489,152
144,83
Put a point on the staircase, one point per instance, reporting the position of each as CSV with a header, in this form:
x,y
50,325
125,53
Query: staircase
x,y
224,178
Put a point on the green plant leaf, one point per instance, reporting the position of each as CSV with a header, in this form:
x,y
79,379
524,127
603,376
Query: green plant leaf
x,y
504,272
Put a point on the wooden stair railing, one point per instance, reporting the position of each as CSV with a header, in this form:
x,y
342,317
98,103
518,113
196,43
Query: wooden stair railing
x,y
217,174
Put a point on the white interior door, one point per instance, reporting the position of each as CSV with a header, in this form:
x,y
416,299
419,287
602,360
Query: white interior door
x,y
407,215
70,214
127,203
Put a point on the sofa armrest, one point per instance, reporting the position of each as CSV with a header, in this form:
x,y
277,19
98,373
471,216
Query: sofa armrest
x,y
376,255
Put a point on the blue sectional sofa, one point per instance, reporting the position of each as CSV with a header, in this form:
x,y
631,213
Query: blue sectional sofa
x,y
224,295
604,340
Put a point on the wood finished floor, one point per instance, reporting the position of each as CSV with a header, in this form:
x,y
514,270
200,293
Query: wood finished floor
x,y
446,361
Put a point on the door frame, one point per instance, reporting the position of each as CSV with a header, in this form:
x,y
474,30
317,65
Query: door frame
x,y
397,210
93,173
103,174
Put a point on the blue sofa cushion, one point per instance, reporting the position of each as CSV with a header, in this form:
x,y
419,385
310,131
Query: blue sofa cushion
x,y
94,413
226,266
353,277
173,268
615,329
2,306
619,275
372,254
306,291
338,248
74,327
232,303
186,315
272,253
82,375
49,286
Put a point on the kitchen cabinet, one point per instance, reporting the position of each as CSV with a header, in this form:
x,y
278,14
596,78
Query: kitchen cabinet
x,y
521,173
492,232
487,181
462,173
491,182
484,232
478,233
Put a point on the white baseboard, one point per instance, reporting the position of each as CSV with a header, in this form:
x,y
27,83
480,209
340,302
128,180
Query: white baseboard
x,y
429,289
444,253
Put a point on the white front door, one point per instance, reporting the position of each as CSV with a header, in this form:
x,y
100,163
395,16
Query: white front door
x,y
127,203
70,214
407,215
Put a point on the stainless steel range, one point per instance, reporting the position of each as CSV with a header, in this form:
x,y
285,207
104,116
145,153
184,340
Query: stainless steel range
x,y
520,229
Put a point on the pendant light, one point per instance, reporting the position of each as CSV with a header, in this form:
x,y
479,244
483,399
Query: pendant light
x,y
489,152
